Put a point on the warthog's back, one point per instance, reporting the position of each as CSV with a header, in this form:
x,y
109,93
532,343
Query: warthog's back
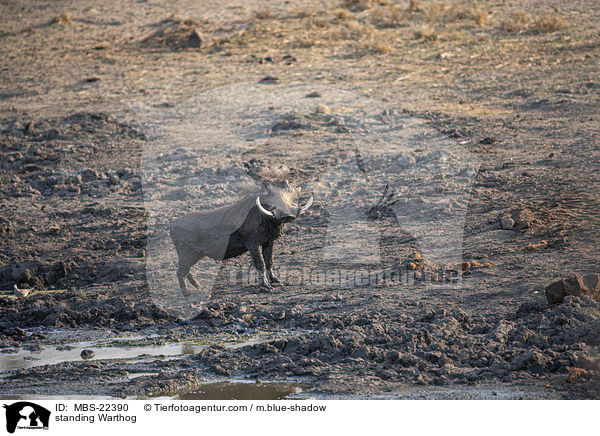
x,y
208,231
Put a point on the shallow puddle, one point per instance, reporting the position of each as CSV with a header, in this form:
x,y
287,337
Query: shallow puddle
x,y
103,349
244,391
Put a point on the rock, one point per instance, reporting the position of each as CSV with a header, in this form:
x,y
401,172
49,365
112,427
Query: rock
x,y
530,359
269,80
289,59
404,162
87,174
196,39
507,223
113,179
87,354
49,135
488,140
575,374
30,168
323,109
576,285
590,363
542,245
5,226
15,332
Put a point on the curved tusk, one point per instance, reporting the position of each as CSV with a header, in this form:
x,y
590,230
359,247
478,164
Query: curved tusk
x,y
262,209
307,205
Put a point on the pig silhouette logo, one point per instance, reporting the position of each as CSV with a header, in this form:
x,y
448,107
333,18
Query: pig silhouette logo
x,y
24,414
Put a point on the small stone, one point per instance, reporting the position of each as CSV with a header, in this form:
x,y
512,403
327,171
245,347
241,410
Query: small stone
x,y
49,135
575,374
5,226
474,264
195,40
404,162
87,174
530,359
124,173
488,140
543,244
416,256
289,59
87,354
323,109
113,179
314,94
507,223
30,168
269,80
576,285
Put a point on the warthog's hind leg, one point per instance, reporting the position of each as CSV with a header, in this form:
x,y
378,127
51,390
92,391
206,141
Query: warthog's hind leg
x,y
187,259
193,281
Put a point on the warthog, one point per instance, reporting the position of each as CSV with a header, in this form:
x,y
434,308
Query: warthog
x,y
251,223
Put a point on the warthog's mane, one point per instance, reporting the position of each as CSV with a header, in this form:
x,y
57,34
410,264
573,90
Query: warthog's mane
x,y
274,175
235,213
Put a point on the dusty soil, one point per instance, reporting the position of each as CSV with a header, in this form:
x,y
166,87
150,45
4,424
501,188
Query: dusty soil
x,y
80,163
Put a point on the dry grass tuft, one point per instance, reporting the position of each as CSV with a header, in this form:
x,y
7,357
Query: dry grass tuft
x,y
549,23
304,13
575,374
414,6
480,17
342,14
425,32
319,23
378,47
63,18
359,5
515,22
357,30
433,10
389,16
264,15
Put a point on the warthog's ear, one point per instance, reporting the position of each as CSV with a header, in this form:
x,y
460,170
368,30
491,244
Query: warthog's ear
x,y
290,188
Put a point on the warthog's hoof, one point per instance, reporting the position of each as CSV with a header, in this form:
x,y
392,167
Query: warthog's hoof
x,y
264,285
274,279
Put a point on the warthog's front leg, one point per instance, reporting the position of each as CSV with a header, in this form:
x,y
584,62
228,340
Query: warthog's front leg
x,y
267,251
259,263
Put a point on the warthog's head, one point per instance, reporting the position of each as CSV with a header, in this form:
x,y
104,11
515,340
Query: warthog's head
x,y
280,202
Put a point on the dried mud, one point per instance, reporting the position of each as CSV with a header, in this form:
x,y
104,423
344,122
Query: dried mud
x,y
73,195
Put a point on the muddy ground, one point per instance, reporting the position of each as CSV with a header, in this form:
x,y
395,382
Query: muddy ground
x,y
514,85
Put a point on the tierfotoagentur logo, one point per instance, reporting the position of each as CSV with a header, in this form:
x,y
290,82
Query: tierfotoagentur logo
x,y
26,415
390,192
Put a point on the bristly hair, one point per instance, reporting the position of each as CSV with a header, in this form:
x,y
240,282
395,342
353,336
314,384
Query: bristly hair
x,y
274,175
